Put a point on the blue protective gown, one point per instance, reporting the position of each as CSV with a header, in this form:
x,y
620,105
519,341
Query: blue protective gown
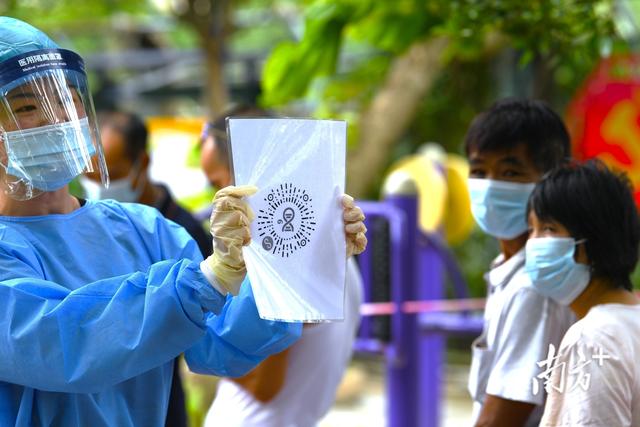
x,y
94,307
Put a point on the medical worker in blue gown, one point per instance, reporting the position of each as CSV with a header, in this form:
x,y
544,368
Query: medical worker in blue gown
x,y
97,297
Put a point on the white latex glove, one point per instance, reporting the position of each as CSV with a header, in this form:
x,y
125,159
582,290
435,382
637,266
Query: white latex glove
x,y
354,228
230,220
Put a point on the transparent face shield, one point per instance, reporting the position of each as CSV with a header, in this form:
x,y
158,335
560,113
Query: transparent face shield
x,y
48,129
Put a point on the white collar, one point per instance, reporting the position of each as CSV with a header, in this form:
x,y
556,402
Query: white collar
x,y
502,271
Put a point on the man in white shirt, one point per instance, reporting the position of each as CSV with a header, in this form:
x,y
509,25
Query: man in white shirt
x,y
310,374
510,147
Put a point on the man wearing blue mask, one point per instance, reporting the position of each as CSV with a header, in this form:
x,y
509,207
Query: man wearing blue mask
x,y
509,148
125,140
97,298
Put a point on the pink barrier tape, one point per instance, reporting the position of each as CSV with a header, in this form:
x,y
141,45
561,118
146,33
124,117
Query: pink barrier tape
x,y
387,308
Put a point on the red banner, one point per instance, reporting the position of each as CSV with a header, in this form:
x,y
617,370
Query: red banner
x,y
604,117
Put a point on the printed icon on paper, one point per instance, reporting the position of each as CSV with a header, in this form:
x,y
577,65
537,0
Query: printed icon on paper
x,y
267,243
287,221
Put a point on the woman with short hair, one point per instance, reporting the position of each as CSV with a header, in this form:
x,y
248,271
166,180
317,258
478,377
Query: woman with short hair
x,y
582,249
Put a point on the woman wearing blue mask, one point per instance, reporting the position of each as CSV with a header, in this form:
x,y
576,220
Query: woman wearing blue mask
x,y
582,249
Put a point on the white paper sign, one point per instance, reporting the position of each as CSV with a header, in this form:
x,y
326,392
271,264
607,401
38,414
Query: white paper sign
x,y
297,256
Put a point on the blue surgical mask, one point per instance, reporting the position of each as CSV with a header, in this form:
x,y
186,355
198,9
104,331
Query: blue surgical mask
x,y
49,157
119,189
500,207
553,270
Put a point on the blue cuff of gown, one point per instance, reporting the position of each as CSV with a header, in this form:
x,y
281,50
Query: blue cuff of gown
x,y
210,299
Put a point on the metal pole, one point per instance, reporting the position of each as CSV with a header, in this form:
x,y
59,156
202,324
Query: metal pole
x,y
403,358
364,260
431,345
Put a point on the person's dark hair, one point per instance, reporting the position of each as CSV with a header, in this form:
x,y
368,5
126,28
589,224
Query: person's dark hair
x,y
131,127
595,204
218,128
521,121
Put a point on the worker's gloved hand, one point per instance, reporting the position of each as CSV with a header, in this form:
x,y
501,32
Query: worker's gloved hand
x,y
230,219
354,228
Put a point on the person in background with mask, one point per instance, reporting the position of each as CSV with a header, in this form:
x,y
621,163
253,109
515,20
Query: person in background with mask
x,y
125,141
581,252
97,298
294,388
509,148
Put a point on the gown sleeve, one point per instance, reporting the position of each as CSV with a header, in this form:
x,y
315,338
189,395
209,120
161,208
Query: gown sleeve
x,y
103,333
238,334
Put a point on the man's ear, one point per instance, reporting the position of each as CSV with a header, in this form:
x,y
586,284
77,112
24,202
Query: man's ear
x,y
144,161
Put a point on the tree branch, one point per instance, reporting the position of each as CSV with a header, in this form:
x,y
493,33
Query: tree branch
x,y
392,109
